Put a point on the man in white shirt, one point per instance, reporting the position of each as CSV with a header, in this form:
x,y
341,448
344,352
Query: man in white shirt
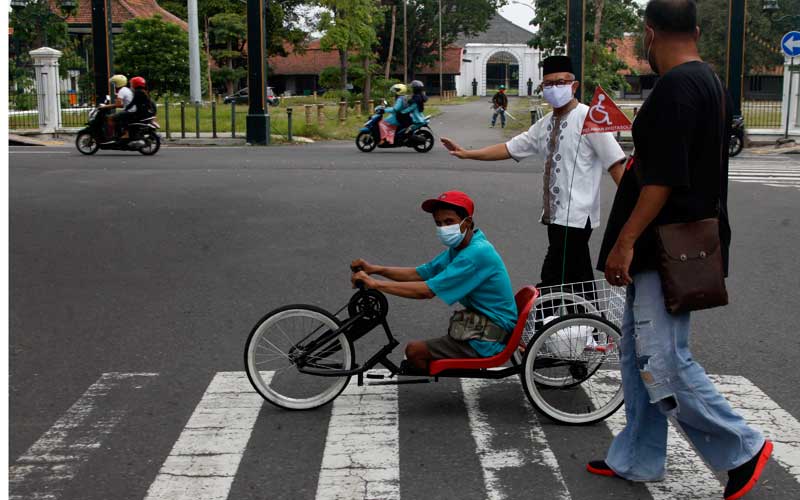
x,y
123,99
573,168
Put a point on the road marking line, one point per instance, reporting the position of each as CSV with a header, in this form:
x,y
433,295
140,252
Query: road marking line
x,y
533,444
204,460
361,458
763,413
687,475
51,463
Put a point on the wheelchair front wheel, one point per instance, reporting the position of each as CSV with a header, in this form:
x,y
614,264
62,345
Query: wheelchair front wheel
x,y
581,353
288,338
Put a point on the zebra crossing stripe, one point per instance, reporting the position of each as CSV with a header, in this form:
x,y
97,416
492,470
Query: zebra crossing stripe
x,y
204,460
362,457
687,475
763,413
533,444
48,466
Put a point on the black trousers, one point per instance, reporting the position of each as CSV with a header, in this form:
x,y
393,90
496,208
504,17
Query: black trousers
x,y
571,256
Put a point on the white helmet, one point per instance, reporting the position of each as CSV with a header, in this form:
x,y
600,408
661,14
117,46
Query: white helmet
x,y
118,81
399,89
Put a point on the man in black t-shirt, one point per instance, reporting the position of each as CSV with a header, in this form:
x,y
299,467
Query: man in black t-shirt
x,y
679,173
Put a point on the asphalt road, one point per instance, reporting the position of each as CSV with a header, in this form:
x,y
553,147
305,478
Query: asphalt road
x,y
159,266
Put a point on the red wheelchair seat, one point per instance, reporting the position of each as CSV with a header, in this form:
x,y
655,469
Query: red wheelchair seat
x,y
525,299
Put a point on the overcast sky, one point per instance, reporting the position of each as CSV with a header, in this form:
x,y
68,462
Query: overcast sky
x,y
520,15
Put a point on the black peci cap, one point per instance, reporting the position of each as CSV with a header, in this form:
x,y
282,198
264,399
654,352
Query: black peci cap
x,y
557,64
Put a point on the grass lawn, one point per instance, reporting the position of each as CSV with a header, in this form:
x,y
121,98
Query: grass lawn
x,y
328,127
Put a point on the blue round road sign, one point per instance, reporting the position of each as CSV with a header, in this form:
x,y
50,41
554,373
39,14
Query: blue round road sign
x,y
790,43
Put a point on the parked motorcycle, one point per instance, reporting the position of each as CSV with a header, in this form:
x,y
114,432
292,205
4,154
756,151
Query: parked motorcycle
x,y
417,136
737,136
142,135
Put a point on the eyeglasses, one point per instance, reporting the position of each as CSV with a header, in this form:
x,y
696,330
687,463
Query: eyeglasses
x,y
552,83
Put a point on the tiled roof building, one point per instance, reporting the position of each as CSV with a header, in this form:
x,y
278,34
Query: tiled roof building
x,y
121,11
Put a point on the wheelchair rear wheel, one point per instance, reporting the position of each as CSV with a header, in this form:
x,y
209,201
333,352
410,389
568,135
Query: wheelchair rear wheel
x,y
577,355
292,337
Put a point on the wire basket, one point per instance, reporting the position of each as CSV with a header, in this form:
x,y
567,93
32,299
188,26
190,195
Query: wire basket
x,y
597,298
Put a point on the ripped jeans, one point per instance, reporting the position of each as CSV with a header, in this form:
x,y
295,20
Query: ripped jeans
x,y
661,379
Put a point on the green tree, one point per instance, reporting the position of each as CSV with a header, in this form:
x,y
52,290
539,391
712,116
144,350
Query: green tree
x,y
229,29
762,39
467,17
156,50
35,25
349,25
606,20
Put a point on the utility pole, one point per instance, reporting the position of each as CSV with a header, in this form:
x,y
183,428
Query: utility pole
x,y
405,43
194,53
576,12
734,80
258,121
441,85
102,48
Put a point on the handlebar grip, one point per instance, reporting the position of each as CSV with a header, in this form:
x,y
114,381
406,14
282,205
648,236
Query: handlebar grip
x,y
359,283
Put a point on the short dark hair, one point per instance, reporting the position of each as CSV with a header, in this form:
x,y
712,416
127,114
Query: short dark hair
x,y
671,16
460,211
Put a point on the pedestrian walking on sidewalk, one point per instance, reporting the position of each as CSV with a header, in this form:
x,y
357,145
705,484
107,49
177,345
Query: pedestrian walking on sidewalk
x,y
499,105
679,174
573,169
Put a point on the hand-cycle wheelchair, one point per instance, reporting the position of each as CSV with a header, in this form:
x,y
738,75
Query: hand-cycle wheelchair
x,y
565,349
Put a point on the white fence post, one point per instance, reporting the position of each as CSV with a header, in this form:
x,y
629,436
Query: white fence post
x,y
45,62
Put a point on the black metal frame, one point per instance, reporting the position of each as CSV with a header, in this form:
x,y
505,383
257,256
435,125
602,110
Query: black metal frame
x,y
372,314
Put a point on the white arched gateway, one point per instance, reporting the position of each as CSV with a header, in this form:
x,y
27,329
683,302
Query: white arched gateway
x,y
500,55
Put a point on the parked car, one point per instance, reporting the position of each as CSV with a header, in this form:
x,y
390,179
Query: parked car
x,y
241,97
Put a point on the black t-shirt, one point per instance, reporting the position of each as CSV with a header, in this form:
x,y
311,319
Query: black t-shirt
x,y
678,136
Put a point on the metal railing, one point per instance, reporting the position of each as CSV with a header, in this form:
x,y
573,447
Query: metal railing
x,y
75,109
23,112
762,114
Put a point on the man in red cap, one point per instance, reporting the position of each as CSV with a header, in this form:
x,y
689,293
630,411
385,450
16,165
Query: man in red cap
x,y
469,271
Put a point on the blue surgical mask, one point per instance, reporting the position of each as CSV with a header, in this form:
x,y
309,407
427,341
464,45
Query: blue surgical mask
x,y
450,236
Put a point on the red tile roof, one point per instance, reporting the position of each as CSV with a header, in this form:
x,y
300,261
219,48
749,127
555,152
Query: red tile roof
x,y
313,60
121,11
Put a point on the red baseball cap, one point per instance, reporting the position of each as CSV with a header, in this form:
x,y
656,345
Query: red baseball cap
x,y
456,198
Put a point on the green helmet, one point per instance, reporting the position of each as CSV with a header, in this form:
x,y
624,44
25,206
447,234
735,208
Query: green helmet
x,y
501,87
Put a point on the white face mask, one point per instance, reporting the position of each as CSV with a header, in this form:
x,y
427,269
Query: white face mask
x,y
558,95
450,236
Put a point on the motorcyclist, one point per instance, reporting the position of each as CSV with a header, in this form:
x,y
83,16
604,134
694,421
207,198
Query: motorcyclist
x,y
416,105
124,97
140,107
389,123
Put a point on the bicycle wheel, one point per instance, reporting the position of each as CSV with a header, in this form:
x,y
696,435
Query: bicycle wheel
x,y
551,305
581,351
290,336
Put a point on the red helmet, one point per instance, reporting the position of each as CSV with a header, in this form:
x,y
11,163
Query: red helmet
x,y
138,81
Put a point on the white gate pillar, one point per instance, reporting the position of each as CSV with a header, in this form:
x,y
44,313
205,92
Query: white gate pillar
x,y
792,100
45,62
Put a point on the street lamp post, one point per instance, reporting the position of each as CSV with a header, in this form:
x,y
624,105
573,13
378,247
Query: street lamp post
x,y
405,43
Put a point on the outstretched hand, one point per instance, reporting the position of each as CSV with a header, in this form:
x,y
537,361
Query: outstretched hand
x,y
362,265
454,148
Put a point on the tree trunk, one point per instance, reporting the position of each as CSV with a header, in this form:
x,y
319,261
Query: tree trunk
x,y
388,70
343,66
367,83
598,20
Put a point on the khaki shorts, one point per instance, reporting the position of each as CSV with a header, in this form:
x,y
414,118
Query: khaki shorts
x,y
447,348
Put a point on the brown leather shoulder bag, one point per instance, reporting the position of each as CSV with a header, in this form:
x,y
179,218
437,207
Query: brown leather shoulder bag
x,y
690,258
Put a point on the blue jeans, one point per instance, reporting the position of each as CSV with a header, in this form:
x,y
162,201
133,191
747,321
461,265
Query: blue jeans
x,y
502,113
660,380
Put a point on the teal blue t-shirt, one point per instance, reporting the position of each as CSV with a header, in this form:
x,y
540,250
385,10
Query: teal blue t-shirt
x,y
476,277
